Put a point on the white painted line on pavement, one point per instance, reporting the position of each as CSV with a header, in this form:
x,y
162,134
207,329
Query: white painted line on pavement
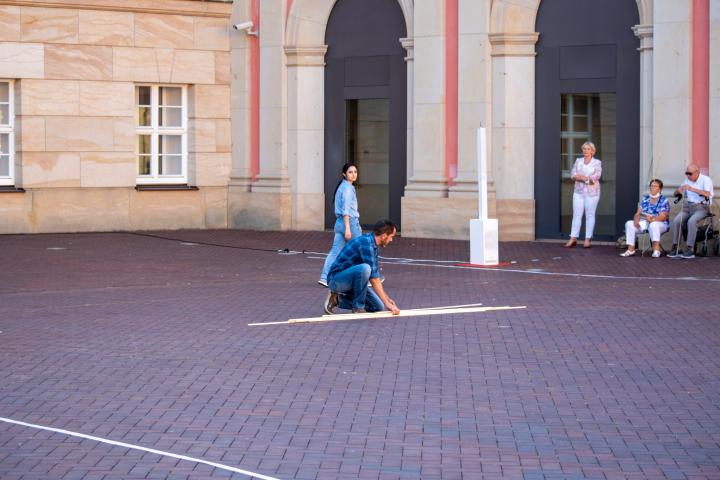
x,y
557,274
137,447
443,264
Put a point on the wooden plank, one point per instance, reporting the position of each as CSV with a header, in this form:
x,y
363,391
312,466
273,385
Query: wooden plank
x,y
386,314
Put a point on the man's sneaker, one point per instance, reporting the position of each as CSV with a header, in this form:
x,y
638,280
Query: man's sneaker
x,y
323,282
674,252
331,301
358,310
688,254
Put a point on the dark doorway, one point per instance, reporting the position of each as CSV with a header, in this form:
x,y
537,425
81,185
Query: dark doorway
x,y
587,87
365,105
367,144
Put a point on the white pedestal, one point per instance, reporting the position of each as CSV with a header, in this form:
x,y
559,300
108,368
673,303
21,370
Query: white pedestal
x,y
484,242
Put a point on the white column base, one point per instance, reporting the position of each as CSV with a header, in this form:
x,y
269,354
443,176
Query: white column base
x,y
484,242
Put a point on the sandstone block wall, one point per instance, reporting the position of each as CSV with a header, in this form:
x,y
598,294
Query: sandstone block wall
x,y
75,68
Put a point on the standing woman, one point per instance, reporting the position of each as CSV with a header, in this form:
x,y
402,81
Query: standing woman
x,y
347,223
586,172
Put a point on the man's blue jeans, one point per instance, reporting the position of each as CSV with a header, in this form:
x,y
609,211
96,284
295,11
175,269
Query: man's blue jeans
x,y
351,285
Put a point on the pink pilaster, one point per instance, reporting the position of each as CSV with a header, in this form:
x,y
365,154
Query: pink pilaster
x,y
288,6
254,44
701,83
451,90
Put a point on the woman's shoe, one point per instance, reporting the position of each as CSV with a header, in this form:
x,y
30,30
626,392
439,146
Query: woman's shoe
x,y
628,253
656,254
587,244
570,243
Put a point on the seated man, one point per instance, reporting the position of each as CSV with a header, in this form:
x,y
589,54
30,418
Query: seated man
x,y
355,265
697,189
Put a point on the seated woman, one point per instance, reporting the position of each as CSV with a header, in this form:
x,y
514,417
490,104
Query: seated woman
x,y
652,215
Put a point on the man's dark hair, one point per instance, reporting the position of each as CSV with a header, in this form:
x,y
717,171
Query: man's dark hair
x,y
384,226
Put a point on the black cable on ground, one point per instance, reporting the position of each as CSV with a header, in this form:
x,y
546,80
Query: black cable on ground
x,y
210,244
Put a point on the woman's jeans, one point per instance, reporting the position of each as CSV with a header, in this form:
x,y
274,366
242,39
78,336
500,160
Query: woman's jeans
x,y
656,230
351,285
339,242
588,204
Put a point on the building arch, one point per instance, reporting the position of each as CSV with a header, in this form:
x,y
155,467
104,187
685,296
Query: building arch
x,y
598,100
305,51
307,20
366,105
518,16
513,37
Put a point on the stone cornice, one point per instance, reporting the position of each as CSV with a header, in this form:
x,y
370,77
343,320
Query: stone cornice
x,y
513,44
409,45
645,34
194,8
306,56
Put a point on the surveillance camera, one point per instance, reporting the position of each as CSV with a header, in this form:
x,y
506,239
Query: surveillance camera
x,y
243,26
247,26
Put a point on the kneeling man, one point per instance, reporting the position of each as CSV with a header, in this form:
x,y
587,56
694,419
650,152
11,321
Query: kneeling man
x,y
357,264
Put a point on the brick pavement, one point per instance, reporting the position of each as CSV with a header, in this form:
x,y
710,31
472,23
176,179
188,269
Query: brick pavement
x,y
144,340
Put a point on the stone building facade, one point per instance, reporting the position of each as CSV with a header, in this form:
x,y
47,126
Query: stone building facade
x,y
74,69
138,115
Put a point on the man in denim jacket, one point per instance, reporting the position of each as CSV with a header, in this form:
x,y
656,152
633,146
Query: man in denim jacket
x,y
357,264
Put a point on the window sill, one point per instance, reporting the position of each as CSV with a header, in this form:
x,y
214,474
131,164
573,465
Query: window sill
x,y
165,188
11,189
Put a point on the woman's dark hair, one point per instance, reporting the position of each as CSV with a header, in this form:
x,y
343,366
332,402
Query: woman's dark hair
x,y
658,181
344,171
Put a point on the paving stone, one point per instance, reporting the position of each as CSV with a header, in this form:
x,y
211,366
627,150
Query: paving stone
x,y
612,370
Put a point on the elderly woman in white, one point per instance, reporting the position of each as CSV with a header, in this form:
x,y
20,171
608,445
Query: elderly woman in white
x,y
586,172
651,216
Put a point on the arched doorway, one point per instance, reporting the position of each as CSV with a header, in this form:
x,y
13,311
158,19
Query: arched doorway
x,y
366,104
587,86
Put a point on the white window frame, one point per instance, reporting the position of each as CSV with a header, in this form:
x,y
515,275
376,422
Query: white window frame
x,y
10,130
155,131
570,135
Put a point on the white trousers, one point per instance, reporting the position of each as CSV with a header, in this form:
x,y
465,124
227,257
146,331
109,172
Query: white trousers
x,y
588,205
656,230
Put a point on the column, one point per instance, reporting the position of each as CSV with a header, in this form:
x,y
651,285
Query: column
x,y
427,178
672,90
645,34
408,44
306,134
241,172
259,193
273,173
715,93
700,83
513,132
473,94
